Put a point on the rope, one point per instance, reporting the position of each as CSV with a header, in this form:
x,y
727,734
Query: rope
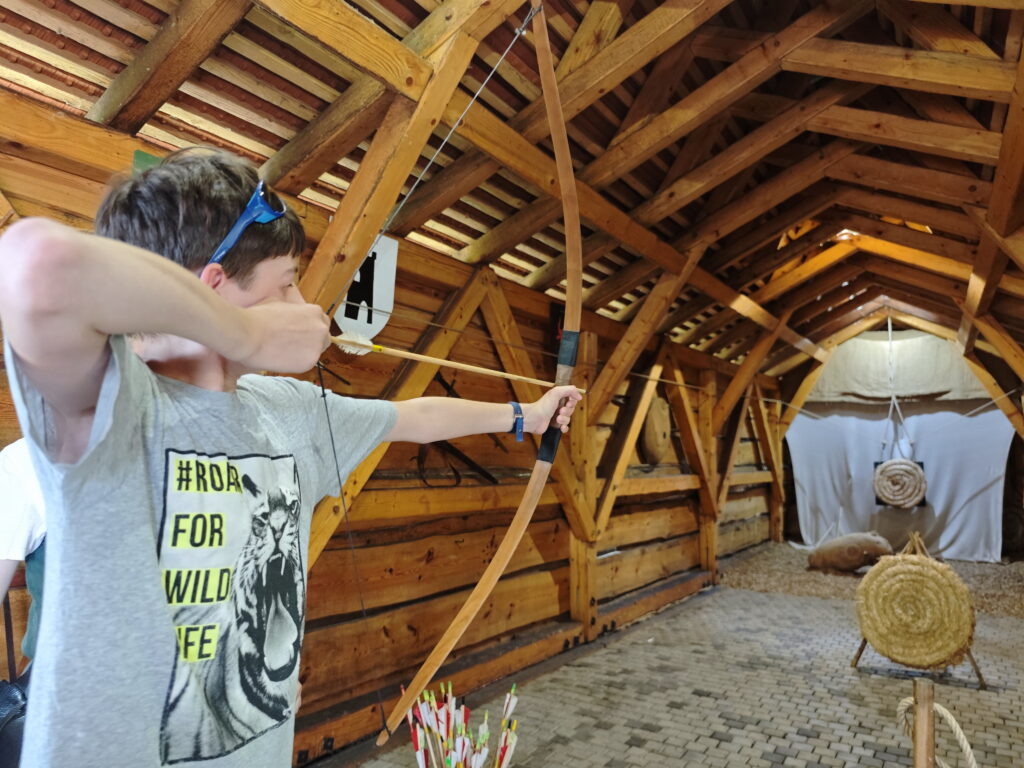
x,y
905,717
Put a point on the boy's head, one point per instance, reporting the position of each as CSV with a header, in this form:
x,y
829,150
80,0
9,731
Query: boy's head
x,y
183,207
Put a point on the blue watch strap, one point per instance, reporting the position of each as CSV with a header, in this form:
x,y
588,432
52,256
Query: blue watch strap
x,y
517,420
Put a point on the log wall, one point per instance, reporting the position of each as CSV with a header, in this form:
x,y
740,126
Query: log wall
x,y
376,608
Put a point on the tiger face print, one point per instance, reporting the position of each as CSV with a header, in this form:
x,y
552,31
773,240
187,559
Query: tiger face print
x,y
216,706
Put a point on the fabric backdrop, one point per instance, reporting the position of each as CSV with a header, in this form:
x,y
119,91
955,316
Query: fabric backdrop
x,y
923,366
964,460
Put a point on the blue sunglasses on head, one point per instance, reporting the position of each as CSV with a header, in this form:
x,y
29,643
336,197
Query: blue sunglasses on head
x,y
260,209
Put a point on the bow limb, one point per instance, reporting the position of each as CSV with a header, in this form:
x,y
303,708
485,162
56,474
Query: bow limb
x,y
566,365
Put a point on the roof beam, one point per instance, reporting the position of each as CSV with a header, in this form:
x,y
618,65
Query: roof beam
x,y
655,33
934,29
903,179
912,238
187,38
651,135
944,219
369,46
354,115
954,74
392,155
973,145
1005,214
745,375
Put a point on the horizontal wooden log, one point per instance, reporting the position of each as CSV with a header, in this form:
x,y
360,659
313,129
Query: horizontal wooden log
x,y
639,486
411,570
738,536
741,506
340,657
318,734
671,521
405,503
634,568
623,610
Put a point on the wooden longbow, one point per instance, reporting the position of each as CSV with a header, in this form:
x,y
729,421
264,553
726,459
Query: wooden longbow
x,y
566,364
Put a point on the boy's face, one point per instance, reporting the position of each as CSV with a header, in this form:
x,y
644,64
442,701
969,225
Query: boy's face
x,y
272,280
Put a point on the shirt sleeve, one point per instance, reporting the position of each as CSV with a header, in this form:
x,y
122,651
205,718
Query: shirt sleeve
x,y
354,427
22,520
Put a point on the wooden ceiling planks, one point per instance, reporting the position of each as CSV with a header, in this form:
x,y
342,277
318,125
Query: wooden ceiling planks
x,y
703,132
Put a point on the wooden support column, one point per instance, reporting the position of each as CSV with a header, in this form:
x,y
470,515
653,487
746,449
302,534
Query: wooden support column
x,y
583,586
709,439
187,38
1006,210
981,289
632,343
1008,405
794,406
410,381
694,448
627,442
772,455
748,370
384,170
1004,343
582,442
730,442
502,326
1005,215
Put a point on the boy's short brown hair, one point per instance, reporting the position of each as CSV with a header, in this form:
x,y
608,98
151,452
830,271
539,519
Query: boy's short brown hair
x,y
183,207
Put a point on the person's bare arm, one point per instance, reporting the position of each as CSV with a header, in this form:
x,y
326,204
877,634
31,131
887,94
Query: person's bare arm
x,y
62,293
426,419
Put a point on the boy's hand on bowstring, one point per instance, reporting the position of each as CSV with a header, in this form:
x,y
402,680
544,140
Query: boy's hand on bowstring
x,y
550,411
285,337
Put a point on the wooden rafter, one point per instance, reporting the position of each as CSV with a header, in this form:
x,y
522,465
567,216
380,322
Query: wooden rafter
x,y
184,41
1005,214
396,146
578,88
361,108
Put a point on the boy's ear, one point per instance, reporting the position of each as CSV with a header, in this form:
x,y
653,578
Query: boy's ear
x,y
214,276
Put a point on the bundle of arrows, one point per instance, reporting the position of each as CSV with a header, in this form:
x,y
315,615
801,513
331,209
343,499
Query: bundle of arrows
x,y
442,737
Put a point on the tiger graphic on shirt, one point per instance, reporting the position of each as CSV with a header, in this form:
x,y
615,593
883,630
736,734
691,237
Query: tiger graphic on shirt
x,y
231,559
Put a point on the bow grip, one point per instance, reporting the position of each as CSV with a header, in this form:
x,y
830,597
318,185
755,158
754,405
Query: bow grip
x,y
567,350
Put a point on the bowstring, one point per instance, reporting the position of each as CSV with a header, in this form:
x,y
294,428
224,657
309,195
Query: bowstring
x,y
348,524
519,32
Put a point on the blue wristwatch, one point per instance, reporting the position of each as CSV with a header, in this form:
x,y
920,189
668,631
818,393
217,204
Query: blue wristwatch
x,y
517,420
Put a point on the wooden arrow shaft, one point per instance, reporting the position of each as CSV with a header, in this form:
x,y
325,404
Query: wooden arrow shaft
x,y
345,341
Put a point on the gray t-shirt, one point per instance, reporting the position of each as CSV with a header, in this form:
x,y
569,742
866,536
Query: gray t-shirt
x,y
175,568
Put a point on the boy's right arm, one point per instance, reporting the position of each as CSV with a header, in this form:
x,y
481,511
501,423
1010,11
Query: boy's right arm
x,y
62,293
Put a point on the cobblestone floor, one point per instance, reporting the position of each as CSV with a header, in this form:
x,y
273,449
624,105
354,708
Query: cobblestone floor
x,y
739,678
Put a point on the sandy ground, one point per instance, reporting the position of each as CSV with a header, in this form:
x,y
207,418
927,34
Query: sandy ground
x,y
998,588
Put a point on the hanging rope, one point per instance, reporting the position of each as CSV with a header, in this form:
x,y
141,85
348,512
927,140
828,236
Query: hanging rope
x,y
905,717
898,482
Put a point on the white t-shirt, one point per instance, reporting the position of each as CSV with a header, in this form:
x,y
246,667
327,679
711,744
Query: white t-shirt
x,y
22,516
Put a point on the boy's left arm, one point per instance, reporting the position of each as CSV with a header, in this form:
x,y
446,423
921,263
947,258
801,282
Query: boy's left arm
x,y
426,419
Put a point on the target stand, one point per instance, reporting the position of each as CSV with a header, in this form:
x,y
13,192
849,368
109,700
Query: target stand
x,y
916,611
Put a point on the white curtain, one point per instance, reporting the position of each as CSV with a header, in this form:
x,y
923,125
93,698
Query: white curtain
x,y
964,459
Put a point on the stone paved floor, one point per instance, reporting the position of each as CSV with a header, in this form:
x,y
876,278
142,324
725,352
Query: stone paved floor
x,y
739,678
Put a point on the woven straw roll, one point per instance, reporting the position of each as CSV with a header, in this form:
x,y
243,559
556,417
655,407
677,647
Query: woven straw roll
x,y
916,611
900,483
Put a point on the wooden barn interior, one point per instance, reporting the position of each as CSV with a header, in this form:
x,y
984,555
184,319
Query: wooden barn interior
x,y
759,182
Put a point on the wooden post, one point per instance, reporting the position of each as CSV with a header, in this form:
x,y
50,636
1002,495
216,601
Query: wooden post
x,y
924,723
583,585
709,520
